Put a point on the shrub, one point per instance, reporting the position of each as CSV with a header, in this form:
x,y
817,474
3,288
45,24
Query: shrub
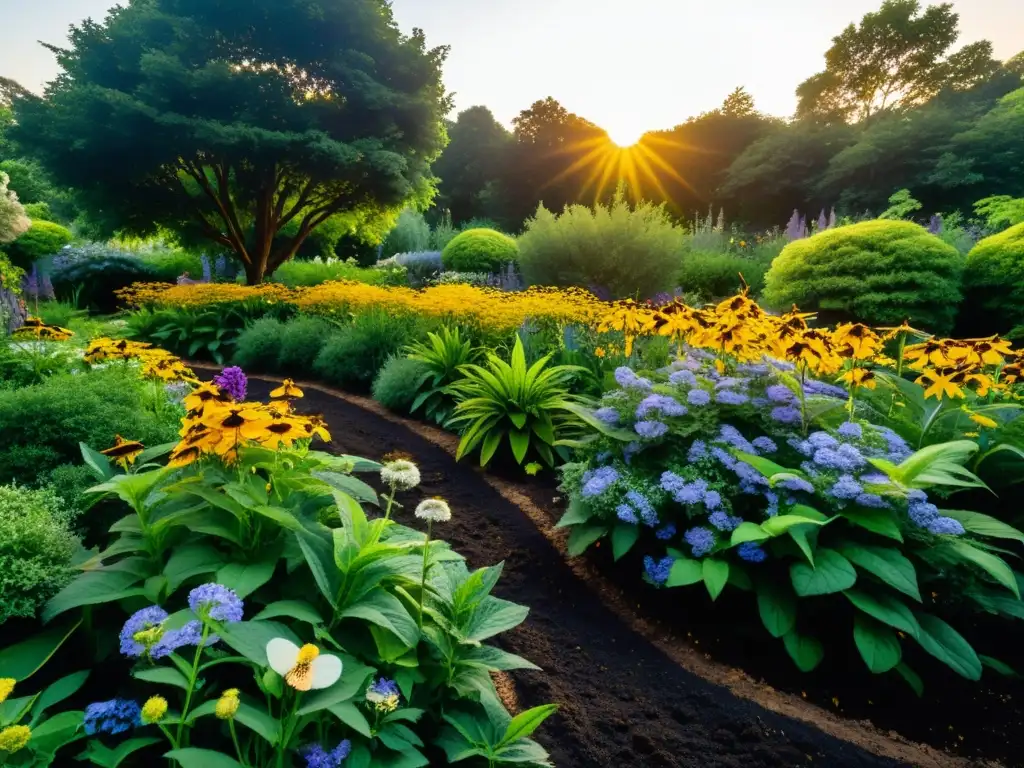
x,y
713,275
420,266
36,546
39,211
168,265
994,284
353,355
301,341
398,383
479,250
92,275
877,272
70,482
259,345
411,233
443,354
43,238
299,273
628,252
42,425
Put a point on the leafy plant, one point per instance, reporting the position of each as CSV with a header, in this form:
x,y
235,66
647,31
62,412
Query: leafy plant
x,y
994,283
92,275
43,238
479,250
398,383
443,354
260,345
352,355
301,340
32,737
532,406
192,333
411,233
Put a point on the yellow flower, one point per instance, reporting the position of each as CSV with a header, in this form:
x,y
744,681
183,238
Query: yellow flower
x,y
940,383
599,352
227,704
286,390
855,340
6,687
14,737
860,377
154,709
981,419
124,452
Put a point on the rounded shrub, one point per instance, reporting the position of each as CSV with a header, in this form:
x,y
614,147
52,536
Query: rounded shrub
x,y
259,346
479,250
615,250
876,272
301,341
994,284
93,280
353,355
398,383
43,238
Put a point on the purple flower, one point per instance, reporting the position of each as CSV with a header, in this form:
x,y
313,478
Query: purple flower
x,y
724,521
667,406
631,450
712,499
773,503
147,618
780,393
850,430
872,500
666,532
626,514
796,484
233,381
683,378
217,602
786,414
698,397
318,757
822,440
728,397
729,434
607,415
898,448
627,379
764,444
701,540
189,634
651,430
657,571
724,457
922,514
815,387
729,382
597,481
829,459
641,504
846,488
880,478
114,716
751,552
946,526
698,450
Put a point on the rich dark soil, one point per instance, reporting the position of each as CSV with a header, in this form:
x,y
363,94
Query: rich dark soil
x,y
623,702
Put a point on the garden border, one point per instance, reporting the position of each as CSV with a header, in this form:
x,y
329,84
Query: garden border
x,y
861,733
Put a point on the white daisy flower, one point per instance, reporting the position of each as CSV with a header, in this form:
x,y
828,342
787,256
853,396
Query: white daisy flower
x,y
303,668
434,511
400,474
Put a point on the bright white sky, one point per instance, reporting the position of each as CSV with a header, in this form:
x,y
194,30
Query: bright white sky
x,y
627,65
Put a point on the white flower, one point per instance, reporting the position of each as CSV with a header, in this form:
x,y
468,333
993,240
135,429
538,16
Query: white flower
x,y
400,474
303,668
434,510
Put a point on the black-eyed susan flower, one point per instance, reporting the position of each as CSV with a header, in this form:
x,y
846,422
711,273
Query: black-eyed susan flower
x,y
941,383
124,452
860,377
855,340
304,668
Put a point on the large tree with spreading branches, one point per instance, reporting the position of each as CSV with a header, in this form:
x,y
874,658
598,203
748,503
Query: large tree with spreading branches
x,y
248,123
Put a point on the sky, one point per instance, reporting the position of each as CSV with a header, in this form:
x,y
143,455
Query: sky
x,y
626,65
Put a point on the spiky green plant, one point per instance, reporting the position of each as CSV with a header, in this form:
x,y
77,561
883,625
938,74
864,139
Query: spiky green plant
x,y
444,354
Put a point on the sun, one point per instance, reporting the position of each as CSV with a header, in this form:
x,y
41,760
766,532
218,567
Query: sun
x,y
624,137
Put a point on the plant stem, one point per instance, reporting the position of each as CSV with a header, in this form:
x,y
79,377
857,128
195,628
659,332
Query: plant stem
x,y
391,501
423,577
167,733
234,738
192,680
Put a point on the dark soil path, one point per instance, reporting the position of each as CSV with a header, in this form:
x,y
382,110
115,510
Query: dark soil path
x,y
623,700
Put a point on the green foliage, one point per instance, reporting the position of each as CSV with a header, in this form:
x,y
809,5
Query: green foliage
x,y
194,333
168,264
301,341
877,272
23,363
28,180
1001,211
901,206
36,546
282,153
479,250
410,234
398,383
444,354
532,407
994,283
303,273
43,424
714,275
471,161
93,280
259,346
39,211
629,252
43,238
352,355
70,482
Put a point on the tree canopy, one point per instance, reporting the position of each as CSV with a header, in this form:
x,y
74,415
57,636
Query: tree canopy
x,y
247,124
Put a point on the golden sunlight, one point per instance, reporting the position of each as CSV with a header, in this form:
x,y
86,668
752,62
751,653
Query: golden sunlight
x,y
624,137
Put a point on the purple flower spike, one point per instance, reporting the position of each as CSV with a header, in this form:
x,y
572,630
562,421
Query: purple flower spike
x,y
233,381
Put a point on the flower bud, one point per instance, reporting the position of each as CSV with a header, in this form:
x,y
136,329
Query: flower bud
x,y
227,704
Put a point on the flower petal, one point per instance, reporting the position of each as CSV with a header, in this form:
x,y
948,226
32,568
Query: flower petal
x,y
326,670
282,655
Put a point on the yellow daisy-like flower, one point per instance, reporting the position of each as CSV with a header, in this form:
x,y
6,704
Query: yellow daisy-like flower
x,y
227,704
154,709
287,390
14,737
860,377
6,687
124,452
939,384
855,340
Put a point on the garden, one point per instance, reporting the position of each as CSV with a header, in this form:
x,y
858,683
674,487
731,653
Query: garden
x,y
313,458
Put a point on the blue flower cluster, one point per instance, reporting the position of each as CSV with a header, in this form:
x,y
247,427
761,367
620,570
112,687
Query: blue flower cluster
x,y
701,540
751,552
627,379
114,716
687,492
663,404
216,602
657,571
635,508
926,515
144,634
607,415
597,481
651,430
318,757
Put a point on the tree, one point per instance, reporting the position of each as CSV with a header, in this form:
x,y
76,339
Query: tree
x,y
228,120
471,161
896,57
739,103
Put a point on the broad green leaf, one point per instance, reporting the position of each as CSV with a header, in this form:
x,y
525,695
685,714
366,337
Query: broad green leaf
x,y
948,646
257,719
493,616
878,645
887,608
319,556
956,452
806,652
24,659
385,610
983,525
350,715
525,723
685,572
801,536
911,677
100,754
878,521
246,578
888,564
994,566
583,535
250,638
765,466
830,573
54,732
191,757
776,526
748,532
492,658
999,666
100,586
777,607
295,609
624,536
162,675
715,574
577,513
519,440
97,462
57,691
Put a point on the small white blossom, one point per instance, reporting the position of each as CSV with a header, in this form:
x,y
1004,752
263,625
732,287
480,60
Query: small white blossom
x,y
400,474
434,510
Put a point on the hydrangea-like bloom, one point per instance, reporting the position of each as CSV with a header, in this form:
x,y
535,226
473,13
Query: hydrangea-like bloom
x,y
822,440
764,444
922,514
597,481
627,514
814,387
796,484
114,716
318,757
698,397
627,379
643,506
701,540
698,450
663,404
683,378
872,500
233,381
712,499
846,488
384,695
400,474
657,571
786,414
780,393
752,553
666,532
607,415
728,397
724,521
217,602
850,430
651,430
729,434
142,631
946,526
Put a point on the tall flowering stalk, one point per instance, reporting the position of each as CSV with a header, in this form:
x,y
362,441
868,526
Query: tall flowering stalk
x,y
433,511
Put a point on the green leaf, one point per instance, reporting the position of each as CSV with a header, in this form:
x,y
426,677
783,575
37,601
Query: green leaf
x,y
385,610
948,646
913,679
250,638
776,526
525,723
57,691
97,462
295,609
491,658
519,440
716,574
350,715
319,555
191,757
583,535
764,466
100,586
163,676
777,607
998,666
748,532
257,720
801,537
888,564
994,566
806,652
983,525
878,521
624,536
685,572
878,645
24,659
99,754
246,578
577,513
830,573
887,608
54,732
493,616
